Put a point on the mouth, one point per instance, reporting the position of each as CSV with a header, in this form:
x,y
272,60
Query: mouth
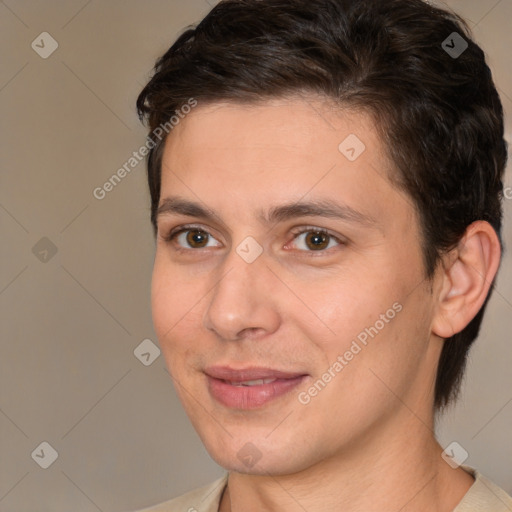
x,y
250,388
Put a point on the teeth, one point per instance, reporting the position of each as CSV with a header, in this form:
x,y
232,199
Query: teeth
x,y
257,382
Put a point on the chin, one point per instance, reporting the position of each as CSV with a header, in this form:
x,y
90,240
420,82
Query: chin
x,y
258,457
269,468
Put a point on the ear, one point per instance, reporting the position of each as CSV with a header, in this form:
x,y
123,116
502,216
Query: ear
x,y
467,274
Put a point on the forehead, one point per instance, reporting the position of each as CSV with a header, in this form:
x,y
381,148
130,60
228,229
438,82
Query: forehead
x,y
293,132
276,151
299,123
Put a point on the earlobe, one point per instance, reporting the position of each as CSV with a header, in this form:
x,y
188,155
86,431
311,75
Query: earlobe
x,y
467,275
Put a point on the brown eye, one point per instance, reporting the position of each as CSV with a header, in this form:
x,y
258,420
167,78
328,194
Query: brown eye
x,y
196,238
190,238
317,240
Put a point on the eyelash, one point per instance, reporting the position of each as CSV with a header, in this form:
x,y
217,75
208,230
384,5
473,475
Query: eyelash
x,y
307,229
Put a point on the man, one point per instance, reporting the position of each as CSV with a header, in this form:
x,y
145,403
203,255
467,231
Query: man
x,y
325,179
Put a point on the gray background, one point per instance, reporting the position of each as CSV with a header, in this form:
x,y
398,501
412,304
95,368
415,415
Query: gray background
x,y
71,323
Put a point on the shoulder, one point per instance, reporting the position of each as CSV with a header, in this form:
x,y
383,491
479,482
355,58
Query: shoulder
x,y
484,496
203,499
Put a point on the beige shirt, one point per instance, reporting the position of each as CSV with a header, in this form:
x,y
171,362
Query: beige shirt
x,y
483,496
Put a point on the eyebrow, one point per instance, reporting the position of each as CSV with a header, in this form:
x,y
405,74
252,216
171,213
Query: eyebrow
x,y
316,208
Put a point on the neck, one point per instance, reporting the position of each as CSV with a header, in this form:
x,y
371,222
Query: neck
x,y
395,470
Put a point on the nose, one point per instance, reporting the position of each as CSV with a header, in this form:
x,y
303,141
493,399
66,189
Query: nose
x,y
241,304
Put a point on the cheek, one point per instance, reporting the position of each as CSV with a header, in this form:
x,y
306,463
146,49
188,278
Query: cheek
x,y
174,301
384,348
349,305
374,323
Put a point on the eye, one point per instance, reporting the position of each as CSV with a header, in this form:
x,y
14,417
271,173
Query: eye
x,y
315,240
190,237
310,239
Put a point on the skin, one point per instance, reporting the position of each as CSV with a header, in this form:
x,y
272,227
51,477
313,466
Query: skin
x,y
366,441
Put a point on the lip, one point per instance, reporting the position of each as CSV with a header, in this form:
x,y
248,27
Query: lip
x,y
221,387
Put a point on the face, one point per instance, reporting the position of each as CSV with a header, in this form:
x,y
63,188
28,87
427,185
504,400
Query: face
x,y
289,295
